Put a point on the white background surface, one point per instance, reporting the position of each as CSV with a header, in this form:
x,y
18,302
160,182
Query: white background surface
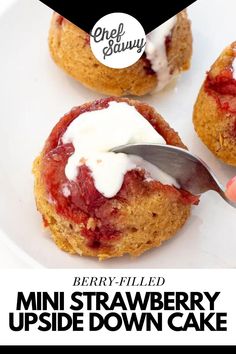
x,y
9,258
35,93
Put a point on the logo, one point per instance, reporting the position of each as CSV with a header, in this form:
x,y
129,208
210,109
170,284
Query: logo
x,y
117,40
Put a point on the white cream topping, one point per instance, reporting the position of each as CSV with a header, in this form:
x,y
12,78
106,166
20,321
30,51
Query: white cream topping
x,y
93,134
234,68
156,52
65,190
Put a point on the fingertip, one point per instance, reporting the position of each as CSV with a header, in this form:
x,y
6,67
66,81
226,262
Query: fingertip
x,y
231,189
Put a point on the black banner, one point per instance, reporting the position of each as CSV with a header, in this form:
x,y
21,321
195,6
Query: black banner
x,y
86,15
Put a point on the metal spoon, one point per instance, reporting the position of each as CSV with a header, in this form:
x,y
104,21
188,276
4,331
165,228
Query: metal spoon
x,y
191,173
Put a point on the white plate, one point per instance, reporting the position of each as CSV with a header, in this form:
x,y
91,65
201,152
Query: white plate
x,y
35,93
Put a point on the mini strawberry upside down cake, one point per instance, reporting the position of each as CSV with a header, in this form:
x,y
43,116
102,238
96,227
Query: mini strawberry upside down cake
x,y
100,203
214,114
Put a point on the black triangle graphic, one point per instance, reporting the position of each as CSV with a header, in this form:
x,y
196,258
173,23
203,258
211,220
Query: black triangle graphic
x,y
86,15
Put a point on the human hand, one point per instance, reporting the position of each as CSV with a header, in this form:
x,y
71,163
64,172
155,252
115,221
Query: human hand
x,y
231,189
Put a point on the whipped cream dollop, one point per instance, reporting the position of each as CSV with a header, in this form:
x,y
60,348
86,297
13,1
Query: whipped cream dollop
x,y
156,52
93,134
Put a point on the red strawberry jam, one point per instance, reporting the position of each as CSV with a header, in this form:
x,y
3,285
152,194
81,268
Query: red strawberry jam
x,y
79,200
168,42
87,39
147,65
59,19
223,88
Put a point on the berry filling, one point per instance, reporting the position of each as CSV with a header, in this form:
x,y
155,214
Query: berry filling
x,y
79,200
168,42
223,88
87,39
147,65
59,20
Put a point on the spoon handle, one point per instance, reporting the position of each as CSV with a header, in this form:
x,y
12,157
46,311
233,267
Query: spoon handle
x,y
191,173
